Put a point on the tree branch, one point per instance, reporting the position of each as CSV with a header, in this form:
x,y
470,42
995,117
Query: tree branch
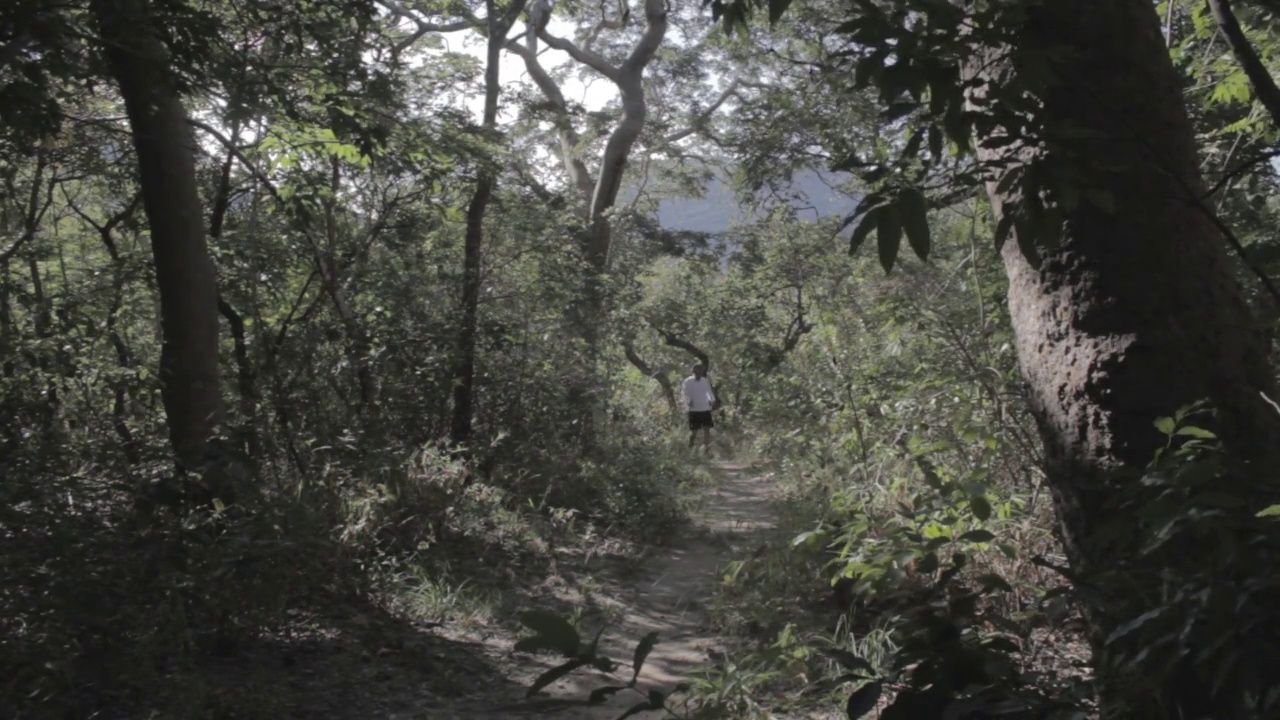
x,y
587,57
676,341
607,24
577,171
701,119
659,375
1264,86
423,26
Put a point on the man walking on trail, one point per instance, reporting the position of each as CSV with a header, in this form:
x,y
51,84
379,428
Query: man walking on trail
x,y
699,398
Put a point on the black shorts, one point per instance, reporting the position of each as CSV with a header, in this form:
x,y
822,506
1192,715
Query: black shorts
x,y
700,420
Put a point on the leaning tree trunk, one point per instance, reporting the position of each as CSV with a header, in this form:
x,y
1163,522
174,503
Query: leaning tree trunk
x,y
184,270
1134,315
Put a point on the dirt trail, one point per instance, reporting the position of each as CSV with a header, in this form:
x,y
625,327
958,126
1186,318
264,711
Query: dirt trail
x,y
361,662
669,598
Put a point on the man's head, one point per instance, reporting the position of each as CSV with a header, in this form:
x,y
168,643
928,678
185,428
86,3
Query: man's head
x,y
699,370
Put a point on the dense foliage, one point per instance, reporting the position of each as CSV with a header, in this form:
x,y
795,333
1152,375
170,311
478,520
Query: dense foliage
x,y
452,318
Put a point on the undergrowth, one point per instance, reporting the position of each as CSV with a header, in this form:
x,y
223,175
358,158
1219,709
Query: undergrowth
x,y
116,595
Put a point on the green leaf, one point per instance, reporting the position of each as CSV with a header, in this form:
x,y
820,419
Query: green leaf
x,y
536,644
601,694
1196,432
1025,232
1101,199
912,148
914,211
888,235
899,110
656,698
935,143
848,660
776,9
991,581
643,648
555,631
863,700
864,229
553,675
979,536
928,564
980,507
1165,425
636,710
1273,511
1134,624
1003,228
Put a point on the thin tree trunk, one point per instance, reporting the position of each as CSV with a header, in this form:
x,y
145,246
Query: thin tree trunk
x,y
184,271
119,407
464,374
1133,316
246,380
358,349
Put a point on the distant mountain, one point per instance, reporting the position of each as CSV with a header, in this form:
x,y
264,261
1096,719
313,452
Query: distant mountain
x,y
810,193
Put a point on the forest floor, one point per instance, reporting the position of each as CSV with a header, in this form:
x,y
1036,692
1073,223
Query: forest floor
x,y
347,663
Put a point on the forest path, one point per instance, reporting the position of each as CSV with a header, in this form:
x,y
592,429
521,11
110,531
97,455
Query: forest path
x,y
669,597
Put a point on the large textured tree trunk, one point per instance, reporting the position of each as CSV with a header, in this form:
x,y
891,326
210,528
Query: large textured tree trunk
x,y
184,270
1135,315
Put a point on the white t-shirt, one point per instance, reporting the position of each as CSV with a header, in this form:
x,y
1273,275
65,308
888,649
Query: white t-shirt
x,y
697,394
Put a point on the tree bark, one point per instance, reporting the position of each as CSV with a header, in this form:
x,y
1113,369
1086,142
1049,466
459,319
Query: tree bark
x,y
184,270
1134,315
464,375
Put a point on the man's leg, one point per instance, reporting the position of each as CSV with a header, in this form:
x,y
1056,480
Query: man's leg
x,y
706,440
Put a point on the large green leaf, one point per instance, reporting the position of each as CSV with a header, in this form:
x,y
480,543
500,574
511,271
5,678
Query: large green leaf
x,y
601,694
863,700
980,506
914,211
888,235
848,659
643,648
863,229
554,632
553,675
777,8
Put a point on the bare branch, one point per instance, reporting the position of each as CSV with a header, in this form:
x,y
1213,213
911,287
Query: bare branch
x,y
676,341
701,119
35,208
244,161
659,375
422,25
577,171
587,57
606,24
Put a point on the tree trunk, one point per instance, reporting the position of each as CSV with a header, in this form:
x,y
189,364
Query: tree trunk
x,y
587,313
464,375
184,270
1133,316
